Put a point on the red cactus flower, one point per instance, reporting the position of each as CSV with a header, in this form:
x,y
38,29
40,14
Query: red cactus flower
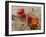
x,y
34,21
21,12
29,19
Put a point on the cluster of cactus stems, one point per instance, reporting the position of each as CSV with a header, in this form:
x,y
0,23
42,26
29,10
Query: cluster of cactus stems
x,y
32,22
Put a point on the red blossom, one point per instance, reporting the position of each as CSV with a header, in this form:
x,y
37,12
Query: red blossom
x,y
29,19
21,12
34,21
